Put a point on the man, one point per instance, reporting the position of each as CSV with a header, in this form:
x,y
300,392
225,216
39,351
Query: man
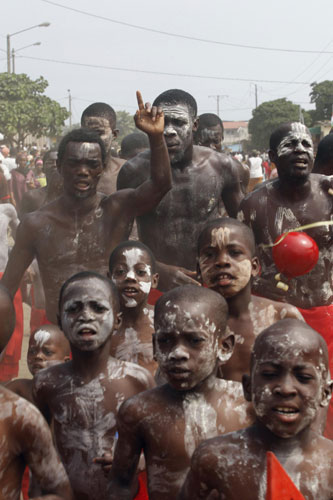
x,y
101,117
256,171
203,180
294,199
79,230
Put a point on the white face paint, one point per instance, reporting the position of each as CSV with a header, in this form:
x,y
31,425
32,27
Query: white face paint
x,y
102,126
41,337
297,139
220,237
178,130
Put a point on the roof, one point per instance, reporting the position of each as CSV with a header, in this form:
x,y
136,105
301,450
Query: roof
x,y
235,125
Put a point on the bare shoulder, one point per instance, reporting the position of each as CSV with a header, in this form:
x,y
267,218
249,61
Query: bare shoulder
x,y
134,171
52,377
22,387
280,310
136,409
135,374
230,388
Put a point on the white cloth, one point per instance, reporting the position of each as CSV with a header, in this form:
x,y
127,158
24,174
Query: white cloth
x,y
255,167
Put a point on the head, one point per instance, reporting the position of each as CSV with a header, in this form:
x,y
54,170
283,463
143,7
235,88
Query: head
x,y
81,160
291,150
4,151
289,378
7,317
21,159
190,340
47,346
133,144
210,132
180,121
50,163
132,268
226,256
324,159
88,310
100,117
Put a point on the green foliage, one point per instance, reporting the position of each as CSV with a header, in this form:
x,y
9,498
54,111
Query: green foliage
x,y
25,110
322,96
125,124
268,116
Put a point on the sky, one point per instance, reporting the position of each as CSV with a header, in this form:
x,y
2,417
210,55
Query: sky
x,y
102,56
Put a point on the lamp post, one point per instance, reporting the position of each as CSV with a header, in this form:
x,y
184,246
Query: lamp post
x,y
42,25
18,50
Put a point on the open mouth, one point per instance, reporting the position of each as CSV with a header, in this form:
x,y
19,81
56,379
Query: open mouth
x,y
130,291
178,373
300,163
224,279
82,186
87,332
286,413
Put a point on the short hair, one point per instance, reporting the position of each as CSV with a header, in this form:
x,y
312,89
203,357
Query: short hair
x,y
131,142
177,96
132,244
278,134
228,221
209,120
100,109
83,275
195,294
324,152
7,316
81,135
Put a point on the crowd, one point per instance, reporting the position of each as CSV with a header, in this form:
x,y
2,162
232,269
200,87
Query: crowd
x,y
168,356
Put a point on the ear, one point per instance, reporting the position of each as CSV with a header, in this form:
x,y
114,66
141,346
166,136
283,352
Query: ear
x,y
118,321
326,393
154,346
115,133
226,348
66,358
255,267
247,389
195,125
154,280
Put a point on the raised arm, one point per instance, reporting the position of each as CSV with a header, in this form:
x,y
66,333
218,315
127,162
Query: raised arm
x,y
232,193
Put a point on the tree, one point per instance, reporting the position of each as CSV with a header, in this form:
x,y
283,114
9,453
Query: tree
x,y
25,110
125,124
268,116
322,96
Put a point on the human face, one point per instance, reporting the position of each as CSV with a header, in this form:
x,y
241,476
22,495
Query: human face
x,y
178,130
22,160
294,154
103,127
225,261
81,168
211,137
186,344
50,164
87,315
288,380
45,349
133,276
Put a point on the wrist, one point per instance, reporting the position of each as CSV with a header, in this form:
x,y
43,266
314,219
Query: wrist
x,y
157,140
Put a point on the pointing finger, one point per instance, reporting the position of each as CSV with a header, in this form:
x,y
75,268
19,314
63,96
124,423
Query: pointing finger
x,y
140,100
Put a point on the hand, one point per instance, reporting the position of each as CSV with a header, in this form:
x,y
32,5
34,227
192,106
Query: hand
x,y
326,183
105,461
267,288
172,276
149,119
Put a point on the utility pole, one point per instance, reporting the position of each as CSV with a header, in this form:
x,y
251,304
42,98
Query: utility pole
x,y
217,97
13,61
8,54
256,94
70,106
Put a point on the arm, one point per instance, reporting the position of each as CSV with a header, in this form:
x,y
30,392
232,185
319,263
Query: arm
x,y
172,276
123,484
232,193
148,194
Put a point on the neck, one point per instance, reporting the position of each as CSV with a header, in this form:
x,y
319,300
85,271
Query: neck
x,y
89,364
80,205
239,303
294,190
130,315
186,159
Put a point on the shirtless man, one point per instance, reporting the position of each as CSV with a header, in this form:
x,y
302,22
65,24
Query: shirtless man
x,y
132,269
82,396
227,264
169,422
324,158
79,230
25,436
101,117
203,180
289,383
294,199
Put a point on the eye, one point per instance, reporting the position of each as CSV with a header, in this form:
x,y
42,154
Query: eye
x,y
141,272
196,340
32,351
72,308
48,352
119,272
268,373
304,378
163,340
235,252
99,308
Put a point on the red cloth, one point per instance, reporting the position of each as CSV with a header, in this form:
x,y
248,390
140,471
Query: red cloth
x,y
279,484
142,493
25,483
9,366
321,320
153,296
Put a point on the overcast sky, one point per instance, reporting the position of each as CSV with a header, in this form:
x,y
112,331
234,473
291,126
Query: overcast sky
x,y
75,37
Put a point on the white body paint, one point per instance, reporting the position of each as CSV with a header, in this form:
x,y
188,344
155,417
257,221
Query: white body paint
x,y
298,133
42,336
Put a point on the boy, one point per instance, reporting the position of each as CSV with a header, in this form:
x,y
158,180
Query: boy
x,y
83,395
132,270
289,383
168,422
47,346
226,264
25,436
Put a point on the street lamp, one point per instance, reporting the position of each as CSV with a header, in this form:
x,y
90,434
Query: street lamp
x,y
18,50
42,25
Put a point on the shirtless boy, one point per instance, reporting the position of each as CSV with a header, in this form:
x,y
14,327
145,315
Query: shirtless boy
x,y
289,383
132,269
227,264
168,422
47,346
79,230
82,396
25,436
203,182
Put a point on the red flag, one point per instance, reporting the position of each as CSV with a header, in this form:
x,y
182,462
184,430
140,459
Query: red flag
x,y
279,484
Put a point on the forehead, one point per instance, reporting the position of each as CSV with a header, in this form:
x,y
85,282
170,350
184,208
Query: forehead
x,y
297,131
176,111
186,314
213,130
88,289
96,122
223,235
51,156
132,256
83,150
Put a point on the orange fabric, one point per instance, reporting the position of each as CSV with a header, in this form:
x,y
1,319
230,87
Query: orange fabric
x,y
9,366
279,484
142,493
321,320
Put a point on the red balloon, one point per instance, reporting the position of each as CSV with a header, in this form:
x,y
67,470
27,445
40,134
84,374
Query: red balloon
x,y
296,254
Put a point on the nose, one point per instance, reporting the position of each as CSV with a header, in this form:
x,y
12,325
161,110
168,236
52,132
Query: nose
x,y
130,275
86,314
169,130
222,259
299,147
82,170
179,353
39,356
285,386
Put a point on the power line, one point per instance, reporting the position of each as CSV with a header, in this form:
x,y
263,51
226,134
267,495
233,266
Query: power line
x,y
163,73
186,37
